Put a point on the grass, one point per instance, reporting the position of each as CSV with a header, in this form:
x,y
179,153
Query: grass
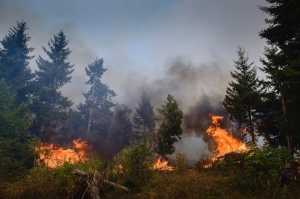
x,y
196,184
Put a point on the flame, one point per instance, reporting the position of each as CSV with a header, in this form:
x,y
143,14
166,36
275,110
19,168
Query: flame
x,y
54,157
225,141
161,164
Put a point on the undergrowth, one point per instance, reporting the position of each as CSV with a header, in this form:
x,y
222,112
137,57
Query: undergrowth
x,y
253,174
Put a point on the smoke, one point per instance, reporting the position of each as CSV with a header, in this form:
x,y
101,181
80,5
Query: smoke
x,y
197,88
182,79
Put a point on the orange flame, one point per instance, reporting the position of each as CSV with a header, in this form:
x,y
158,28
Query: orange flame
x,y
225,142
161,164
54,157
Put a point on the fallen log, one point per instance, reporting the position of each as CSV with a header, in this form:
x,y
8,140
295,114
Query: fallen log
x,y
117,186
96,183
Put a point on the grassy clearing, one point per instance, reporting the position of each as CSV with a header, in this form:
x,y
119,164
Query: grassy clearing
x,y
199,184
165,185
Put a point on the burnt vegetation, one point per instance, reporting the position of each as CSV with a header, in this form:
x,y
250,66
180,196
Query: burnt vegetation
x,y
125,143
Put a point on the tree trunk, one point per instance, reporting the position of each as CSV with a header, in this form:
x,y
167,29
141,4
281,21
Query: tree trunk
x,y
288,136
251,130
91,110
97,183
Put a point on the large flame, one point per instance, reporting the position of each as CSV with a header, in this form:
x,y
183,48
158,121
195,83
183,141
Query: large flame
x,y
225,142
54,157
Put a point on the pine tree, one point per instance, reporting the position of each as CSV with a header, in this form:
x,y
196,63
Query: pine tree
x,y
98,102
282,67
170,128
120,132
144,115
49,107
57,72
242,97
14,61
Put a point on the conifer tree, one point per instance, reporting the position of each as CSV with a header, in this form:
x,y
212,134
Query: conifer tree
x,y
282,68
98,102
170,128
144,115
49,107
243,95
57,72
124,125
14,61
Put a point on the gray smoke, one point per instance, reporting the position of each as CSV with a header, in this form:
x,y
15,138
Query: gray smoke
x,y
186,81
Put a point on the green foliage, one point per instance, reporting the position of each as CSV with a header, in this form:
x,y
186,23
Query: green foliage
x,y
134,163
99,99
55,73
14,61
16,149
242,97
170,128
42,182
50,109
255,170
122,131
181,162
282,69
144,115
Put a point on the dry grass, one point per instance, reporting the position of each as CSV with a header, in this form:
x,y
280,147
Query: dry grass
x,y
194,184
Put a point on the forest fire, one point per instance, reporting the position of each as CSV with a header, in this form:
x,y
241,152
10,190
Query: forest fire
x,y
54,157
161,164
225,143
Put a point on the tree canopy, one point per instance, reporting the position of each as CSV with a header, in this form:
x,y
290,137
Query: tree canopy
x,y
144,114
169,130
242,97
98,103
282,68
14,61
49,107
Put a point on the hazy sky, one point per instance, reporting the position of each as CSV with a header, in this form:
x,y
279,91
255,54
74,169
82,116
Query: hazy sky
x,y
163,46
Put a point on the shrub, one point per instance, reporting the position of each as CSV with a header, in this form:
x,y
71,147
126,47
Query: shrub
x,y
134,163
181,162
256,169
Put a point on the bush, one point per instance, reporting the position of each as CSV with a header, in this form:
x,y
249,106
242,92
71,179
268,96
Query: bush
x,y
256,169
134,163
43,182
181,162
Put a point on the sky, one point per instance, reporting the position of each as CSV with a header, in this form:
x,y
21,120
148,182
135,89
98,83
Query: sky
x,y
177,47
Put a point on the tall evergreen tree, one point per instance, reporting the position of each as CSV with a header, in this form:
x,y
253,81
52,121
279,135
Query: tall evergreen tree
x,y
120,133
243,95
50,108
57,72
282,67
98,102
170,128
144,114
14,61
